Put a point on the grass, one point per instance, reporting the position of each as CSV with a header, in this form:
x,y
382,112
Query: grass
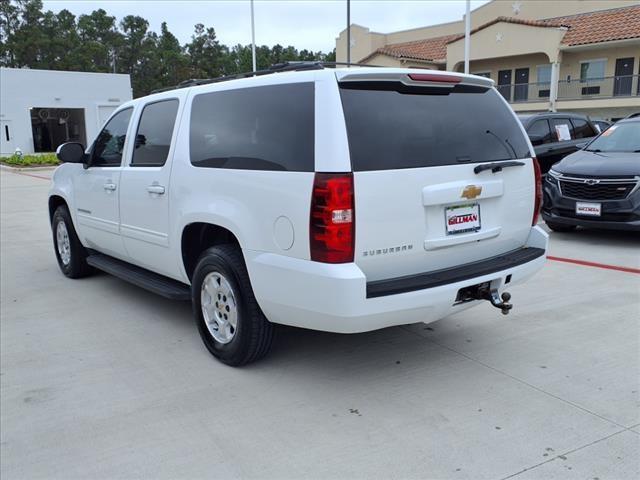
x,y
39,160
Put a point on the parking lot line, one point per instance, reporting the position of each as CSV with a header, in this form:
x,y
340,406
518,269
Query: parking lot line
x,y
586,263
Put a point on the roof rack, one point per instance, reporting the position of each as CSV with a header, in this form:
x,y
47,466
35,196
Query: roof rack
x,y
275,68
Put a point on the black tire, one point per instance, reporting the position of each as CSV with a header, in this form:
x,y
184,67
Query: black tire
x,y
77,266
559,227
253,334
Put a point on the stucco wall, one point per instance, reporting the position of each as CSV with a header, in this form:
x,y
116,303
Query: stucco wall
x,y
494,65
571,59
21,89
506,40
366,41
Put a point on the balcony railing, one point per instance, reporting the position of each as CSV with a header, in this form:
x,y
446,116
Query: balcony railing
x,y
607,87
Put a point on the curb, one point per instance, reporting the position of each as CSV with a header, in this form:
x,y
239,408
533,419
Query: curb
x,y
9,168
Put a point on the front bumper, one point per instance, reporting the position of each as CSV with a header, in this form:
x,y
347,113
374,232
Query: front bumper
x,y
616,214
333,298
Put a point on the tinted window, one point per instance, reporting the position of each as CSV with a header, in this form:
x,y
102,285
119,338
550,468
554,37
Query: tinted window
x,y
260,128
155,130
424,127
541,127
107,149
581,128
561,128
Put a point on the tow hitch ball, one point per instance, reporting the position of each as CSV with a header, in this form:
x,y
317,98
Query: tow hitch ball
x,y
503,305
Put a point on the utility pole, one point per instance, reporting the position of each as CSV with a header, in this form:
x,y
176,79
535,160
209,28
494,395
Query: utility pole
x,y
253,40
467,36
348,31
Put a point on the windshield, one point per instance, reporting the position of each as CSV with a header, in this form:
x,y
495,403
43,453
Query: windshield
x,y
623,137
391,126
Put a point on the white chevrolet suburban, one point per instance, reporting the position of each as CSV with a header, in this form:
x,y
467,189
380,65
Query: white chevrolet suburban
x,y
336,199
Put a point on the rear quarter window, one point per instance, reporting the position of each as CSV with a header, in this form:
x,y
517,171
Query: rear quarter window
x,y
389,129
259,128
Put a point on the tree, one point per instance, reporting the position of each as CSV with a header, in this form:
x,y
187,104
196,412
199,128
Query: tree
x,y
99,42
33,38
173,63
205,53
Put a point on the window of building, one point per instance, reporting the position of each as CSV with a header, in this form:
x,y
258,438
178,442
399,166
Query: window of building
x,y
259,128
108,147
51,127
544,73
592,70
154,134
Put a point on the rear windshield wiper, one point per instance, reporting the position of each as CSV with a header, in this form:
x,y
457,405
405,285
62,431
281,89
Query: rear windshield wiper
x,y
496,166
505,143
596,150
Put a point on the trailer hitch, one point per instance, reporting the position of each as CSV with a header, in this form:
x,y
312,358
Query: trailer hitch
x,y
501,302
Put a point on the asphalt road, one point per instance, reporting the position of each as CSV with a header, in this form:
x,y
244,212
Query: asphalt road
x,y
99,379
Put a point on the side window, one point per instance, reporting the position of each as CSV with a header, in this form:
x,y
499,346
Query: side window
x,y
258,128
107,149
582,129
154,134
541,127
561,128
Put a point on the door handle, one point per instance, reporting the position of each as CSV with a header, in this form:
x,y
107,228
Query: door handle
x,y
109,187
159,189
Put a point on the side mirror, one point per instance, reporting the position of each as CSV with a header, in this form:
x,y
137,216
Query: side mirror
x,y
71,152
536,139
581,146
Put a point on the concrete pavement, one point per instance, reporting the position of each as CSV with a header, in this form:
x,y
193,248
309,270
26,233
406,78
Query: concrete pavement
x,y
99,379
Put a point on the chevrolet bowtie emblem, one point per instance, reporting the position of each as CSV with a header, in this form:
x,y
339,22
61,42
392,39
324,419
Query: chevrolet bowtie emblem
x,y
471,191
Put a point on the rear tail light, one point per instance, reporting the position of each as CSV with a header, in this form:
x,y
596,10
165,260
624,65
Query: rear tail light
x,y
538,196
332,223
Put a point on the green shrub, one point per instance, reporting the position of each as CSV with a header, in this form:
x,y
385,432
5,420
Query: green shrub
x,y
30,160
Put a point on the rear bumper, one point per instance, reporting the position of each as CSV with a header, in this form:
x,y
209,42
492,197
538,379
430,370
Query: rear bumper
x,y
334,297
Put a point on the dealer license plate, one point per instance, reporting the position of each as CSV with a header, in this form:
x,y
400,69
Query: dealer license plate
x,y
462,218
588,209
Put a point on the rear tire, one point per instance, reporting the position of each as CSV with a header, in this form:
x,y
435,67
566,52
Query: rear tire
x,y
71,255
558,227
229,319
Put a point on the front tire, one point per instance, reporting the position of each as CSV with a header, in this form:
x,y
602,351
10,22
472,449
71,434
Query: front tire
x,y
71,255
559,227
229,319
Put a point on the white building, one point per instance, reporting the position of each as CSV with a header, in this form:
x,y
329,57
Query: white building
x,y
41,109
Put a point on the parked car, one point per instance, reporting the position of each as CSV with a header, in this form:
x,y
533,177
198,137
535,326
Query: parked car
x,y
601,125
556,135
598,186
341,200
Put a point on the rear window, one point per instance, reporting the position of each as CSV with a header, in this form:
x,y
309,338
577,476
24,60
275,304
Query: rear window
x,y
421,127
258,128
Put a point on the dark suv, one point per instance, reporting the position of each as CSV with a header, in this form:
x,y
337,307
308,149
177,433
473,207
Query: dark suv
x,y
598,186
556,135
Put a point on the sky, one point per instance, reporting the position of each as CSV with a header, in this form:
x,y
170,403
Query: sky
x,y
313,25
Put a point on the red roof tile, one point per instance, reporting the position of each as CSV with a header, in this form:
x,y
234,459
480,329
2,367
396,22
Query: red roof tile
x,y
431,49
603,26
594,27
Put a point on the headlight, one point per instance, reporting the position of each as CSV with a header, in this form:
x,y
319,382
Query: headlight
x,y
552,177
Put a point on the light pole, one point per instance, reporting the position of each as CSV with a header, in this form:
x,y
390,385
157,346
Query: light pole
x,y
348,31
467,36
253,40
